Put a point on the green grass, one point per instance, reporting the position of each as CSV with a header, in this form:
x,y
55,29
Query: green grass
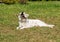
x,y
48,12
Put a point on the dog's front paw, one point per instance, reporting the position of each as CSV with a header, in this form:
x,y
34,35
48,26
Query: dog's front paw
x,y
17,27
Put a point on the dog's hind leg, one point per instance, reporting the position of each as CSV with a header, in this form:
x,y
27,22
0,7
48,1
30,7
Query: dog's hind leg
x,y
51,26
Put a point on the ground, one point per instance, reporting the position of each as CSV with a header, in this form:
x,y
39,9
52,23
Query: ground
x,y
45,11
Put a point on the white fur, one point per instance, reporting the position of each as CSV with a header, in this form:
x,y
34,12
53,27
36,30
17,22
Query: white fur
x,y
32,23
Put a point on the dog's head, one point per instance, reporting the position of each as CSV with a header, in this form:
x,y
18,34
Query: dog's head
x,y
22,14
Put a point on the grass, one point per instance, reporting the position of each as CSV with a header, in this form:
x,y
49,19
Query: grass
x,y
48,12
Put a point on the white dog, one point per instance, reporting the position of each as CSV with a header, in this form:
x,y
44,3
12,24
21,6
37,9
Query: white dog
x,y
31,23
